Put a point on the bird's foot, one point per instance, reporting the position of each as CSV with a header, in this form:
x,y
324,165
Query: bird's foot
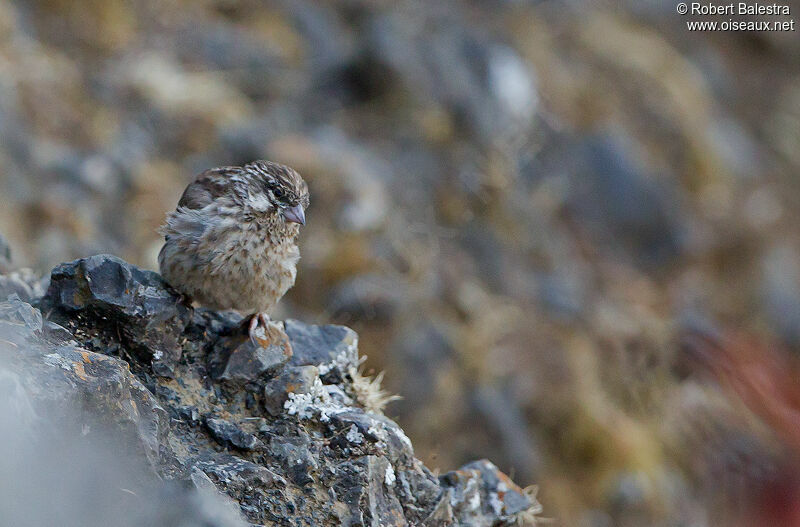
x,y
257,318
185,299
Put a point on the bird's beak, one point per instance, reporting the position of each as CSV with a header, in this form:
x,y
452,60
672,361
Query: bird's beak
x,y
295,214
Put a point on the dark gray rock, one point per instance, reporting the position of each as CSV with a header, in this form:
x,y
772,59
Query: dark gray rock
x,y
231,471
240,358
229,434
117,296
333,349
291,449
369,428
294,453
365,485
510,499
417,489
55,333
188,413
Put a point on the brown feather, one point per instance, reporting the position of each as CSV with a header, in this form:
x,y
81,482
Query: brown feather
x,y
207,187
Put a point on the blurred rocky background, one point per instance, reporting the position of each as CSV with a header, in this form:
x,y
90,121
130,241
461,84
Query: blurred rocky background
x,y
566,230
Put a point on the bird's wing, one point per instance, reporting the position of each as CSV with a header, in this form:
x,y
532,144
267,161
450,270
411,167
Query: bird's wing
x,y
207,187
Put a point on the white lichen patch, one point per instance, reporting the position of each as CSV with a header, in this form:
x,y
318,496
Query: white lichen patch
x,y
344,359
354,436
389,478
496,503
304,405
474,502
325,412
315,402
300,404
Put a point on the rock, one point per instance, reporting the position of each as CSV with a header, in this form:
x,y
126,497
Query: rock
x,y
365,486
105,114
23,283
16,314
333,349
370,429
207,488
294,379
187,413
20,322
106,382
117,296
55,333
292,449
479,493
295,455
417,489
239,358
70,375
511,499
233,472
63,451
228,433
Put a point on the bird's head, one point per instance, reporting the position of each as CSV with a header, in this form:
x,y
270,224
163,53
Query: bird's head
x,y
278,189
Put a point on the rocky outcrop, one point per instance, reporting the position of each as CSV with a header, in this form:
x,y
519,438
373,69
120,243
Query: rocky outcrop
x,y
281,424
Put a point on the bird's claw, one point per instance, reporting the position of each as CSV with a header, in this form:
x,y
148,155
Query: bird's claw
x,y
263,318
185,299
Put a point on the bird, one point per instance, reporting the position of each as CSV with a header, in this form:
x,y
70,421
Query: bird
x,y
231,243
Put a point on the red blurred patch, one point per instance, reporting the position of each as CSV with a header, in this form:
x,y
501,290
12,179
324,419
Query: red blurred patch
x,y
765,377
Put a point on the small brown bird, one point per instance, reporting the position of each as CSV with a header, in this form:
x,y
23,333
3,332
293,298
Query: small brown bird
x,y
231,243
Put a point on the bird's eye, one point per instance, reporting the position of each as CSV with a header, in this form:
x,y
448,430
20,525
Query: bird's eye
x,y
278,193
